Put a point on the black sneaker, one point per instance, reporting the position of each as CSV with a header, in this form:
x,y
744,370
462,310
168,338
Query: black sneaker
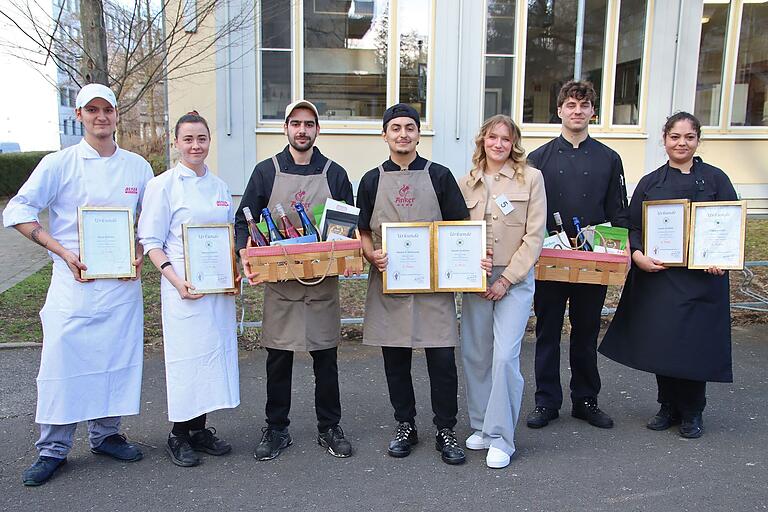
x,y
448,446
586,409
117,447
405,437
665,418
181,452
333,440
272,442
205,441
541,416
41,471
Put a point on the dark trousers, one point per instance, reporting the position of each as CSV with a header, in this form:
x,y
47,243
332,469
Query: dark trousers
x,y
443,384
688,397
279,375
585,304
182,428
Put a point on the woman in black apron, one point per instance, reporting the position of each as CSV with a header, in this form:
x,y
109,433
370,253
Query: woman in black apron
x,y
675,322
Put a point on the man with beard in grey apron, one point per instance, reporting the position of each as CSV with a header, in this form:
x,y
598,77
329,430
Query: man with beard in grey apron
x,y
298,317
408,188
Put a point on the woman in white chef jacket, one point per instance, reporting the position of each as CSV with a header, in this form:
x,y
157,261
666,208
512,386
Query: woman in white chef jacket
x,y
199,335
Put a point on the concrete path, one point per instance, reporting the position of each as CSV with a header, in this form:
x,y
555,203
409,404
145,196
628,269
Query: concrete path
x,y
568,466
19,257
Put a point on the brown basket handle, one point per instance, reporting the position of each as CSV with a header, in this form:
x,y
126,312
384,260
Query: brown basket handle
x,y
319,279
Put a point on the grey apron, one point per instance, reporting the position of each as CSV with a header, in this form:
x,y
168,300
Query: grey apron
x,y
406,320
299,317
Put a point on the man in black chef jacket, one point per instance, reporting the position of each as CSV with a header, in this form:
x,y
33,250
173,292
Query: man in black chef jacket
x,y
298,317
583,178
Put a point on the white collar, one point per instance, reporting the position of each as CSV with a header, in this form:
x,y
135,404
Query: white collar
x,y
185,172
87,151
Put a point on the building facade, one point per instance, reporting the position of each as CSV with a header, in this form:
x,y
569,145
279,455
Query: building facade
x,y
459,61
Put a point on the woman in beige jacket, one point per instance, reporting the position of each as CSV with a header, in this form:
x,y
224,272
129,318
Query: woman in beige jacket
x,y
509,195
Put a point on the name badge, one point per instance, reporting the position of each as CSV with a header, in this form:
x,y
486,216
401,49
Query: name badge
x,y
504,205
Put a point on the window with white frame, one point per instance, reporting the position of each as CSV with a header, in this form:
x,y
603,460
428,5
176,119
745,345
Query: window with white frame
x,y
565,40
348,67
709,79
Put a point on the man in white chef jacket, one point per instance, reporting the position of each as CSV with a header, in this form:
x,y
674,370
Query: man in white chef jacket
x,y
91,362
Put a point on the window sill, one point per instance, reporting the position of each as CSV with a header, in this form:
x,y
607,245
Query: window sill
x,y
337,131
595,134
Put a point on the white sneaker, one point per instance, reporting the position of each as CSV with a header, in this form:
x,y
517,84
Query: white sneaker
x,y
477,442
496,458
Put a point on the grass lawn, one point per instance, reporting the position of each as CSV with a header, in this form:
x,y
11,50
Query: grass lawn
x,y
20,305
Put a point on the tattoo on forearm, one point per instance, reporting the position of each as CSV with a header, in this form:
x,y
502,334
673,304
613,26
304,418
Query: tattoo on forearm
x,y
35,236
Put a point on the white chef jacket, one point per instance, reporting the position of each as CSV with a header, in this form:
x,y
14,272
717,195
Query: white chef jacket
x,y
199,336
91,361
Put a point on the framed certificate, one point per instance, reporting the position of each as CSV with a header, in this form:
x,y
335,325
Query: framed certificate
x,y
718,230
458,247
107,244
665,231
209,257
409,248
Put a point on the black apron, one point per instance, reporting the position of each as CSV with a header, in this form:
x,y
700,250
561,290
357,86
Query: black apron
x,y
675,322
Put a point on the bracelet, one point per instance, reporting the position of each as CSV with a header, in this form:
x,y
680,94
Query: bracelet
x,y
167,263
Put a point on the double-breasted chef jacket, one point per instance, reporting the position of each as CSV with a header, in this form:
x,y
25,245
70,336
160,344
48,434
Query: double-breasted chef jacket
x,y
91,360
675,322
424,192
199,336
296,317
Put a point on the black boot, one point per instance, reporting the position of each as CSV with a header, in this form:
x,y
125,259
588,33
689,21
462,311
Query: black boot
x,y
665,418
586,409
405,437
692,426
446,444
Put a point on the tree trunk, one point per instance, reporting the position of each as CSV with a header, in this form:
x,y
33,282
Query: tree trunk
x,y
94,64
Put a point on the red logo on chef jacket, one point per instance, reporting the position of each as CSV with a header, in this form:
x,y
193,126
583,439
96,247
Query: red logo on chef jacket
x,y
222,203
131,190
299,197
404,197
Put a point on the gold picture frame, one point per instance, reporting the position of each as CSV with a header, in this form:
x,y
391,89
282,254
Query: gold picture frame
x,y
196,275
101,258
438,271
714,236
685,204
387,229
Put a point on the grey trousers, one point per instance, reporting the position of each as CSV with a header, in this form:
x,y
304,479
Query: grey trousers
x,y
56,440
491,335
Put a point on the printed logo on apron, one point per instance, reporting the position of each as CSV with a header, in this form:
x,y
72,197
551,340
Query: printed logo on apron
x,y
299,197
404,197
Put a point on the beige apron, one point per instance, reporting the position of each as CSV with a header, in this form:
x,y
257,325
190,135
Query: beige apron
x,y
298,317
406,320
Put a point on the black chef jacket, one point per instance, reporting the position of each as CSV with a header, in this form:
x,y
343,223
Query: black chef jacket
x,y
452,204
259,188
585,182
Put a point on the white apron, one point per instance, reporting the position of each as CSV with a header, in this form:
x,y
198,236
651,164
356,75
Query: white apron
x,y
199,336
93,332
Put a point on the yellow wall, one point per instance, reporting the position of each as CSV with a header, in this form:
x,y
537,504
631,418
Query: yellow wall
x,y
356,153
745,161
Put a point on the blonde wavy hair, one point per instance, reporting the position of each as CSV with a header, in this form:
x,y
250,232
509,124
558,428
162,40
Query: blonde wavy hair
x,y
517,154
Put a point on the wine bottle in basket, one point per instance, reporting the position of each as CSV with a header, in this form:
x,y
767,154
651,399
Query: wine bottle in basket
x,y
581,240
306,224
288,227
274,233
257,236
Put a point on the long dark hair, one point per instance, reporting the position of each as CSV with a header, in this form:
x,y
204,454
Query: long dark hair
x,y
191,117
682,116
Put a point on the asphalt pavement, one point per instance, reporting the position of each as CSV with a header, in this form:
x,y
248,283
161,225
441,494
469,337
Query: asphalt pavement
x,y
567,466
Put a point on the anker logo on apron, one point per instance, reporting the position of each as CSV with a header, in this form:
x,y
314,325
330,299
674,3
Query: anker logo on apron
x,y
404,197
299,197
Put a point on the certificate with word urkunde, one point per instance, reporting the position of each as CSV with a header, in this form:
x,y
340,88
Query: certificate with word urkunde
x,y
665,231
106,240
718,229
409,257
459,247
209,257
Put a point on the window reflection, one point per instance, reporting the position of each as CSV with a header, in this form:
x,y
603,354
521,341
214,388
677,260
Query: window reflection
x,y
500,58
709,79
414,52
750,92
629,63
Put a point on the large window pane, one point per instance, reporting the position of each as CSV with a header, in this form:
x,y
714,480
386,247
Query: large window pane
x,y
275,83
413,23
750,92
629,62
714,28
500,32
345,57
498,86
552,53
275,23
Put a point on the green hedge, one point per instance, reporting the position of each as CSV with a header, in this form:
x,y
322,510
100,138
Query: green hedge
x,y
15,168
